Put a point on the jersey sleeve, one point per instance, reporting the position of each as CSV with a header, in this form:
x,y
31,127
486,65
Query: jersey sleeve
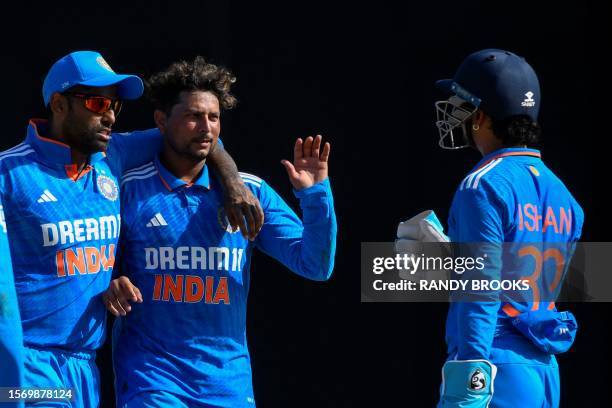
x,y
307,248
133,149
11,338
477,227
128,203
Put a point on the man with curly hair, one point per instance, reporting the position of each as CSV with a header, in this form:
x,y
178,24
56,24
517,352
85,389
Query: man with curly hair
x,y
182,341
60,194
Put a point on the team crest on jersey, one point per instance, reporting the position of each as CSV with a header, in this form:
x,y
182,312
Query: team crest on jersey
x,y
102,62
477,381
224,221
108,188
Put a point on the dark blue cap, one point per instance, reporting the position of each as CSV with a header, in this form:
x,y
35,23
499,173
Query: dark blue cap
x,y
499,82
90,69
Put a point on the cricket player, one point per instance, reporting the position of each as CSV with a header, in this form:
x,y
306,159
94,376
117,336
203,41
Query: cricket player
x,y
60,193
501,345
183,342
11,337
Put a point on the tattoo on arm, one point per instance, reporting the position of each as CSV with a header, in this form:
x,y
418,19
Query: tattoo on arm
x,y
242,208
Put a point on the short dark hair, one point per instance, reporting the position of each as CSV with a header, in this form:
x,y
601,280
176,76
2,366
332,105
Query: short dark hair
x,y
163,89
516,130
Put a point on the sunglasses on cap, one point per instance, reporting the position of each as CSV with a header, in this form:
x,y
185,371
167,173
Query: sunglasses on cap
x,y
97,103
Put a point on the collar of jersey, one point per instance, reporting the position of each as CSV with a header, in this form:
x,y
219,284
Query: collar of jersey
x,y
51,150
171,182
508,152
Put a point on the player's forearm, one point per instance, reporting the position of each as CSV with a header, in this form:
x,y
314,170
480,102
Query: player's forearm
x,y
477,322
242,208
224,168
317,248
477,311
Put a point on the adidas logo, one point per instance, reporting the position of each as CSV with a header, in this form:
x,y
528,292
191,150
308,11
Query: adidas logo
x,y
47,197
529,101
157,221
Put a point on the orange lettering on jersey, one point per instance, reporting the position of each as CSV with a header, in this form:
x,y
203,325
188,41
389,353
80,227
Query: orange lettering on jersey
x,y
194,288
59,263
222,294
557,256
191,289
209,289
174,289
157,288
531,212
550,220
92,258
107,262
75,261
520,217
565,220
88,260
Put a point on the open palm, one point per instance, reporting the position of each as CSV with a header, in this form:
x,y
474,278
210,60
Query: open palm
x,y
309,162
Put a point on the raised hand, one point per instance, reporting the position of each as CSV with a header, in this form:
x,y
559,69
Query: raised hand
x,y
309,163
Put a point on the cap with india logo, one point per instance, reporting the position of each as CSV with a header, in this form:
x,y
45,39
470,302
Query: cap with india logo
x,y
499,82
88,68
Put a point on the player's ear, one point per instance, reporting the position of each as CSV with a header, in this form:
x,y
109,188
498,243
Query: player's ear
x,y
479,118
160,119
58,104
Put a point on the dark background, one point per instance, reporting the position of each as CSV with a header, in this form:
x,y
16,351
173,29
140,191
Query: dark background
x,y
363,77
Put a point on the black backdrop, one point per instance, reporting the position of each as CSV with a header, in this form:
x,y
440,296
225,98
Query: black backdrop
x,y
363,77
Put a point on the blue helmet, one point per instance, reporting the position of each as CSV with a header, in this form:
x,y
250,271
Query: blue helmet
x,y
498,82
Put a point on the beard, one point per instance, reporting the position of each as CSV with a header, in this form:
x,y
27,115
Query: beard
x,y
83,136
189,151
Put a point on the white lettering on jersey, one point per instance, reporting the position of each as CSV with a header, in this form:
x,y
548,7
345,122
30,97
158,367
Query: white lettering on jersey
x,y
166,258
181,257
194,258
80,230
151,258
221,256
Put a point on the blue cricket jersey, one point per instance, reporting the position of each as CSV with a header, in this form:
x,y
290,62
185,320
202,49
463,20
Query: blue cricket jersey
x,y
511,197
63,233
188,337
11,339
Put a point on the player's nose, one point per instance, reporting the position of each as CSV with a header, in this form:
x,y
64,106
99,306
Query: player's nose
x,y
108,118
205,126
